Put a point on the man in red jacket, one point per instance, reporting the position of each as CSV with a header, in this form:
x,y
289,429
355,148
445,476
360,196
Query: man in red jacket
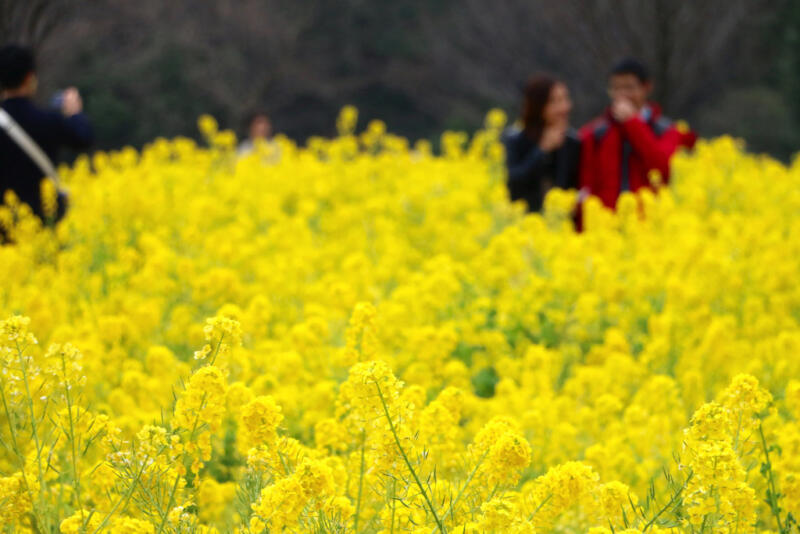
x,y
622,147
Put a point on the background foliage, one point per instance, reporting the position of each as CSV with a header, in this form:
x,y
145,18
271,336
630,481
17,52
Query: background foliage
x,y
149,68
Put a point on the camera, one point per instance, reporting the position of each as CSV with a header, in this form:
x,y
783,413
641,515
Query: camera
x,y
57,100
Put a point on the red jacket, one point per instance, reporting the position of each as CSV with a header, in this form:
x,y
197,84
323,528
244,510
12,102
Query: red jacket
x,y
614,154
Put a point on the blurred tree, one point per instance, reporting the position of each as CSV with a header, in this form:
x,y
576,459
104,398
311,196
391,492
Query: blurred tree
x,y
787,45
165,64
148,68
693,48
31,22
758,114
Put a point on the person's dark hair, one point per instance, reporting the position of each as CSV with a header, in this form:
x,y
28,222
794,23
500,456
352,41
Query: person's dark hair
x,y
252,116
536,94
16,62
633,66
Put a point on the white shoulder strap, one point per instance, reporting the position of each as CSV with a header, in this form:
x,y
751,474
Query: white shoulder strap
x,y
29,146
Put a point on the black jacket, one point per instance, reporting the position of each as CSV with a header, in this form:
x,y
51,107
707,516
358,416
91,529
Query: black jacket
x,y
532,172
51,131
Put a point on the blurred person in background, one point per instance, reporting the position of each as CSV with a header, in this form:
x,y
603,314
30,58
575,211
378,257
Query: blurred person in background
x,y
51,130
543,151
631,141
258,126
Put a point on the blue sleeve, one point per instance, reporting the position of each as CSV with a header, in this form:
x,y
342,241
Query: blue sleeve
x,y
76,132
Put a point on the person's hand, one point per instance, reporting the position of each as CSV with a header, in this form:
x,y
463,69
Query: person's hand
x,y
552,137
622,109
71,103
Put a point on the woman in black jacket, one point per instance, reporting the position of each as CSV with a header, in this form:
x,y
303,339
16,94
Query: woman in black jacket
x,y
545,151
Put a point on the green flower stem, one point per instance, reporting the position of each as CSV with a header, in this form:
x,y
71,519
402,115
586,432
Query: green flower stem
x,y
124,499
75,472
772,497
671,502
34,426
408,462
360,481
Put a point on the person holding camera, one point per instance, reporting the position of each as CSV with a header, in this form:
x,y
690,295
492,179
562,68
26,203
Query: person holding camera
x,y
31,137
632,141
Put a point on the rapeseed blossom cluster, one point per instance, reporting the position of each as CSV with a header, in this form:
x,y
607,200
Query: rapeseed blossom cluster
x,y
363,336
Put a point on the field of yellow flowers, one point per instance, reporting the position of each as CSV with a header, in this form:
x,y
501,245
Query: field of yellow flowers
x,y
361,336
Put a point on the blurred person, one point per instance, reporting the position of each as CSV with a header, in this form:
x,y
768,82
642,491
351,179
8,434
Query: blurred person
x,y
50,130
543,152
621,148
258,126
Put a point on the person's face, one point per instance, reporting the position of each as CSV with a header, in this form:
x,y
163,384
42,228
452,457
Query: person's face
x,y
260,128
558,106
629,87
32,83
